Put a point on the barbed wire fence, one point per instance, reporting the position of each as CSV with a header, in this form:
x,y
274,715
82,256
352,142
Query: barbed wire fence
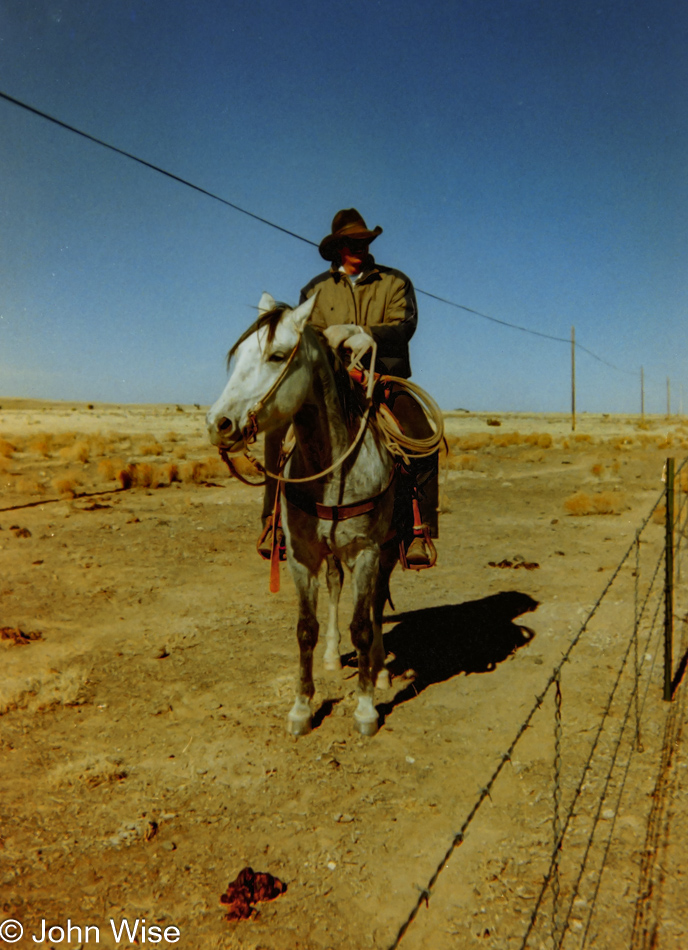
x,y
598,757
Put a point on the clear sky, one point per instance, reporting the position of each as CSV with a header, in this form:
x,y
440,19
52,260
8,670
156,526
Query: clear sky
x,y
526,158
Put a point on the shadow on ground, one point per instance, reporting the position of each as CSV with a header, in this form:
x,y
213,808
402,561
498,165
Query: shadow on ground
x,y
433,644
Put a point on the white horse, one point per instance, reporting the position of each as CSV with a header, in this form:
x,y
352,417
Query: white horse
x,y
285,372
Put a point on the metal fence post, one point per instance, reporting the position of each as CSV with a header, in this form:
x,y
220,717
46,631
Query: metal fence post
x,y
669,580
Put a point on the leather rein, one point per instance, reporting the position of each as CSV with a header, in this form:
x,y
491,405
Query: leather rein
x,y
326,512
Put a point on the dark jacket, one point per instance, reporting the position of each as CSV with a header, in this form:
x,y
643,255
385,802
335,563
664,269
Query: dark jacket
x,y
382,299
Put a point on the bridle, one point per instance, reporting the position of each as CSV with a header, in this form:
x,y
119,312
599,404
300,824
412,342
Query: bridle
x,y
249,432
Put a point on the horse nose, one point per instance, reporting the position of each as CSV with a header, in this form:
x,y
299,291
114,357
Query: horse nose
x,y
218,426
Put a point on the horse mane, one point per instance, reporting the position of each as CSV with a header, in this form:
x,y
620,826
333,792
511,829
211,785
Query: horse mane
x,y
351,394
269,319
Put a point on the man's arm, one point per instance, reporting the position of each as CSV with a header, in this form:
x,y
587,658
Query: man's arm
x,y
400,319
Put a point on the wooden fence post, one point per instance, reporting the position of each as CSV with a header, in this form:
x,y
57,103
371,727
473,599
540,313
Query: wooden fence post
x,y
669,580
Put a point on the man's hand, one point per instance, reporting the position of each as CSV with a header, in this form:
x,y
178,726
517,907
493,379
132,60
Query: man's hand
x,y
352,337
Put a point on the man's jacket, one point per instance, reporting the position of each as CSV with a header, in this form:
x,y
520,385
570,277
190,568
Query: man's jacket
x,y
382,299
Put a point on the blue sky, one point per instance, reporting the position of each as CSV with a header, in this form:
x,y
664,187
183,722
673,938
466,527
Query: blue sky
x,y
526,158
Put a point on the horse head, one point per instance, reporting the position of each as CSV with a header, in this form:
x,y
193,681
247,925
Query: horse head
x,y
268,382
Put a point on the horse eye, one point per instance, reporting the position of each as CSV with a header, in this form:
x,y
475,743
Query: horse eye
x,y
277,357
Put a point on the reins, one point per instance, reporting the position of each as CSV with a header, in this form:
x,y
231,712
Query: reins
x,y
250,431
396,442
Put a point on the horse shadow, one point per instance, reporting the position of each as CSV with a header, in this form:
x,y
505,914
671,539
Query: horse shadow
x,y
434,644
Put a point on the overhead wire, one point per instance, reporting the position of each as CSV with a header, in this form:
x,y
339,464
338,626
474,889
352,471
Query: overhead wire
x,y
230,204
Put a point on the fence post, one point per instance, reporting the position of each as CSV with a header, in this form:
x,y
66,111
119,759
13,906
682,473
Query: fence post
x,y
669,580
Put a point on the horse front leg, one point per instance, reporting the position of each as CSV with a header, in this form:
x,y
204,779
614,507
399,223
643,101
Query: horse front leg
x,y
388,559
299,718
367,640
335,576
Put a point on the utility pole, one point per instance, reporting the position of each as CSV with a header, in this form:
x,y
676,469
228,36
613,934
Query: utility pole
x,y
642,394
573,379
668,396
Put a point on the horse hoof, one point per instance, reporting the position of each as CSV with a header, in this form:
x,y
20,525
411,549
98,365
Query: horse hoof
x,y
383,680
366,727
333,664
298,727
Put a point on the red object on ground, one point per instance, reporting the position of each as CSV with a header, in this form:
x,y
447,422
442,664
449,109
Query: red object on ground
x,y
250,887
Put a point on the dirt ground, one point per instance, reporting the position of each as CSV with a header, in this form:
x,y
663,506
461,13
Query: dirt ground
x,y
147,673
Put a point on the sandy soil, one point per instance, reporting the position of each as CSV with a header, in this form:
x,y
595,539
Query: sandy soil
x,y
147,673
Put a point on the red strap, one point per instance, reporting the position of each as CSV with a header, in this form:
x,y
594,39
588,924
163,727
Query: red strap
x,y
274,555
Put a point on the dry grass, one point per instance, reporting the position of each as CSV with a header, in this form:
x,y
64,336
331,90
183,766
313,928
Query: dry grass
x,y
29,486
600,503
462,462
171,472
42,445
470,442
506,439
77,452
201,471
152,448
67,486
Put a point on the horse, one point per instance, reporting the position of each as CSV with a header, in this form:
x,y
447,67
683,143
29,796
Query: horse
x,y
337,488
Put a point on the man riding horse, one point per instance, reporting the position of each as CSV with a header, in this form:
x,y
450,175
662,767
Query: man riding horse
x,y
358,296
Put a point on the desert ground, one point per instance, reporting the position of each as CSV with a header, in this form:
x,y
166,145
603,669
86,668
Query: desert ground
x,y
147,673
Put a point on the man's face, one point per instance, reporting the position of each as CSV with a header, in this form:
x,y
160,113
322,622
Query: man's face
x,y
353,255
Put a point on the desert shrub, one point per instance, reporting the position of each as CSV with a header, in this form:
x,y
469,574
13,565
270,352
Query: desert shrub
x,y
171,472
466,463
506,439
152,448
109,468
543,440
600,503
7,450
145,475
29,486
582,437
200,471
180,452
77,452
42,445
125,476
597,469
473,441
67,485
171,437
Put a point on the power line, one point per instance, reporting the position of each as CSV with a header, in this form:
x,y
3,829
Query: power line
x,y
278,227
155,168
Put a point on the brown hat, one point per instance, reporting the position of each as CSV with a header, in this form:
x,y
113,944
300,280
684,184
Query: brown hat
x,y
346,224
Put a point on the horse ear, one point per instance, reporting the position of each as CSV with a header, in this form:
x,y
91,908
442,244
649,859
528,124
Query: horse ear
x,y
301,314
266,303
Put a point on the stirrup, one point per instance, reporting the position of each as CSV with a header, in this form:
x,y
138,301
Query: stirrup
x,y
265,550
424,534
420,530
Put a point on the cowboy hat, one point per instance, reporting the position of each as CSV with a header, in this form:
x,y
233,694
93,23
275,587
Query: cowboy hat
x,y
347,225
